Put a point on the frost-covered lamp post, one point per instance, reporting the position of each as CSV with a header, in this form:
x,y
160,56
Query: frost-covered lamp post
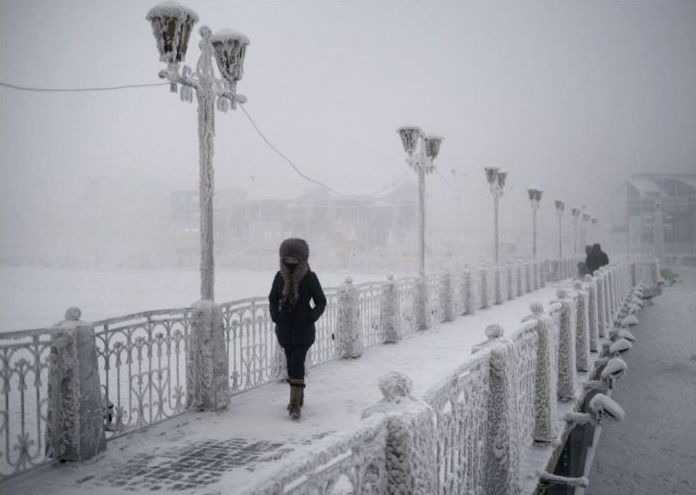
x,y
496,180
534,199
421,151
172,25
575,212
560,207
593,232
585,217
659,232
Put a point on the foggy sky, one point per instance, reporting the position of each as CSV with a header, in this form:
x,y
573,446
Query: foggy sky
x,y
568,96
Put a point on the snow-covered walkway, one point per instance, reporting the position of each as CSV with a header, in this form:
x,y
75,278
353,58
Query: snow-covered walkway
x,y
653,450
211,453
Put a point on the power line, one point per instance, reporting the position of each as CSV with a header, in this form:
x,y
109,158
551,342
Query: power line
x,y
246,113
447,181
296,168
79,90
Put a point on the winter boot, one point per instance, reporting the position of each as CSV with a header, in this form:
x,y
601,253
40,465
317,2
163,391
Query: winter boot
x,y
296,389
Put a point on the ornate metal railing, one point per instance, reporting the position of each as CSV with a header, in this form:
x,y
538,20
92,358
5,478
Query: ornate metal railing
x,y
142,367
435,303
524,357
346,462
406,289
370,301
255,358
324,349
461,406
24,380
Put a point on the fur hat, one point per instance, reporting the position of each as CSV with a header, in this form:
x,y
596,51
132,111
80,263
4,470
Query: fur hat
x,y
295,247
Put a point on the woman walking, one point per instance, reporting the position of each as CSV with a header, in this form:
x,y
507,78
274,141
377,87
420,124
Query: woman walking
x,y
293,287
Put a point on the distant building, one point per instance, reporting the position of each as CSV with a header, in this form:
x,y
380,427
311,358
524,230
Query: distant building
x,y
250,226
633,213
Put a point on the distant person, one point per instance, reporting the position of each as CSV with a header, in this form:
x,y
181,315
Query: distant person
x,y
293,287
603,257
597,258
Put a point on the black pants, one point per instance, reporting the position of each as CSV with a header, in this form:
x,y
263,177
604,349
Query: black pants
x,y
295,357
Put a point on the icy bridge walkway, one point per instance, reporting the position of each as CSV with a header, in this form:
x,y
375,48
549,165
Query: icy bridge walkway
x,y
226,452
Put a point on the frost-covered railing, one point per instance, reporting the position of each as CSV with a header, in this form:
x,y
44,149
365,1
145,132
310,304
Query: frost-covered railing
x,y
460,405
252,348
406,290
145,359
371,302
142,367
24,359
348,462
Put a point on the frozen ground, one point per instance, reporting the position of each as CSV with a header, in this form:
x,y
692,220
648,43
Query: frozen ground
x,y
33,297
216,453
653,451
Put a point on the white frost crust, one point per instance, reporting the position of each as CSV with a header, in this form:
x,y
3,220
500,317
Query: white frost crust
x,y
171,9
225,35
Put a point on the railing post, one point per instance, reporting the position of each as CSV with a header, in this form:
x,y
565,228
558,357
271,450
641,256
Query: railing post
x,y
411,437
447,297
543,273
582,338
469,293
498,285
423,315
502,459
483,273
519,279
566,347
511,291
593,313
75,412
207,365
527,278
545,378
390,315
349,335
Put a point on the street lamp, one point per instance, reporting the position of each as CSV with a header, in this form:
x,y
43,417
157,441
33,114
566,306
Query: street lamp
x,y
534,199
585,217
496,180
659,231
593,222
575,212
172,25
560,206
421,151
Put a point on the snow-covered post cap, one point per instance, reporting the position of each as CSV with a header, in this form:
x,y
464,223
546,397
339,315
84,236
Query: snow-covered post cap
x,y
536,308
73,313
395,386
494,331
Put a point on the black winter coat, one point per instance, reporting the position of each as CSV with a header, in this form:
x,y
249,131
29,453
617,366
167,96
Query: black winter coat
x,y
295,326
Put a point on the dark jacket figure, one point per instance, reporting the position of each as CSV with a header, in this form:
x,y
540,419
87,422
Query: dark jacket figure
x,y
597,258
289,304
603,257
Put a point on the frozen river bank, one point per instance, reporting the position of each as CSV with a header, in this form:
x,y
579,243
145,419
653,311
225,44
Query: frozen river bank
x,y
34,297
652,450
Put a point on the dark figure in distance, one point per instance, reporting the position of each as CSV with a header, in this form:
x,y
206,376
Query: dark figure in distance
x,y
293,287
597,258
